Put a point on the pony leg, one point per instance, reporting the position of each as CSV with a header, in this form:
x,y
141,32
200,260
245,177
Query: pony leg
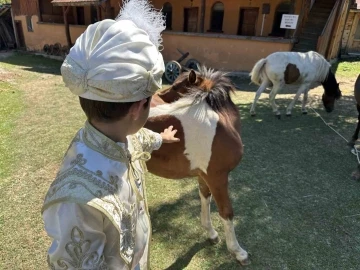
x,y
219,188
205,196
272,96
261,89
305,98
301,90
356,133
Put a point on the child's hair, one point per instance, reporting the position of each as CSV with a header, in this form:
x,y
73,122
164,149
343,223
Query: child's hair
x,y
107,111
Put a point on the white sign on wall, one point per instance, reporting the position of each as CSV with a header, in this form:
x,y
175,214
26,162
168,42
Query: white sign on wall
x,y
358,4
289,21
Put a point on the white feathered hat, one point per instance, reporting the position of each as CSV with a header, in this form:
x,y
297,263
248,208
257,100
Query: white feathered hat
x,y
118,60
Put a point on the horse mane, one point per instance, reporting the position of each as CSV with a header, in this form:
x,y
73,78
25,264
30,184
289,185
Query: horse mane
x,y
215,89
323,66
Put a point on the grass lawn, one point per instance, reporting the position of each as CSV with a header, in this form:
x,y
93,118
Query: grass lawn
x,y
295,204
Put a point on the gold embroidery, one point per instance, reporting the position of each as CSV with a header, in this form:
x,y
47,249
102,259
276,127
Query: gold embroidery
x,y
76,183
78,250
147,139
51,265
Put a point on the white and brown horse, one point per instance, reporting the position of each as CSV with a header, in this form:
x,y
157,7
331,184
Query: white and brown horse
x,y
302,70
199,106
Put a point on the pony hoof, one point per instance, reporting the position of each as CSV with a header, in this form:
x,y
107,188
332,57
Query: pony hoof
x,y
253,114
214,241
351,144
288,115
278,116
304,113
245,262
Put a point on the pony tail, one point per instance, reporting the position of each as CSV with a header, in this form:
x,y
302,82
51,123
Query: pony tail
x,y
257,71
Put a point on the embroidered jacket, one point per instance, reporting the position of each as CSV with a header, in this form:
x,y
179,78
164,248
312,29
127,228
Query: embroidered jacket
x,y
95,211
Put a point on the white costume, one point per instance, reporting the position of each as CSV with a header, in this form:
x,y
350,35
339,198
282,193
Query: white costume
x,y
95,211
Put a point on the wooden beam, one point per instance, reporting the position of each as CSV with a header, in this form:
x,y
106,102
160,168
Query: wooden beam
x,y
354,26
99,13
67,27
39,11
338,30
15,29
108,10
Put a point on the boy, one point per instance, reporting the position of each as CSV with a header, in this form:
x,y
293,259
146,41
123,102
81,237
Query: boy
x,y
95,211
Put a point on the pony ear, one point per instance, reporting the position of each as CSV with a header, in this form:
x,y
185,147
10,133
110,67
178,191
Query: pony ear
x,y
192,77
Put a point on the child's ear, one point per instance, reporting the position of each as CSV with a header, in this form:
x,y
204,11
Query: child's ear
x,y
136,109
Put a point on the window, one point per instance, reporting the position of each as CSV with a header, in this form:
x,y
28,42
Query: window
x,y
283,8
191,19
50,13
29,24
247,21
357,32
167,11
80,15
94,14
217,17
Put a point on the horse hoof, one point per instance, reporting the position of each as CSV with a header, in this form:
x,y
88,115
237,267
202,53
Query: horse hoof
x,y
304,113
351,144
245,262
214,241
288,115
278,116
253,114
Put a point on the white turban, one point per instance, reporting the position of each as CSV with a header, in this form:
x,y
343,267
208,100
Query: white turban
x,y
118,60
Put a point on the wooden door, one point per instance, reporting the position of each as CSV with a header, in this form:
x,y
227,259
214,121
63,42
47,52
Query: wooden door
x,y
247,21
20,34
191,19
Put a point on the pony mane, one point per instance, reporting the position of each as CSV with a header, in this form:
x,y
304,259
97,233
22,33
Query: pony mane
x,y
323,66
215,89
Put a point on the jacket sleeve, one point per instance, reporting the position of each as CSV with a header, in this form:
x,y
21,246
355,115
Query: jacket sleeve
x,y
77,236
150,140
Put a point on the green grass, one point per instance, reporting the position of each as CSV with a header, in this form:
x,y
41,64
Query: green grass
x,y
295,204
347,68
11,107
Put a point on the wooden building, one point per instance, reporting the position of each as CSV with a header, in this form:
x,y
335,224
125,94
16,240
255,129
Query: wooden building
x,y
350,44
228,34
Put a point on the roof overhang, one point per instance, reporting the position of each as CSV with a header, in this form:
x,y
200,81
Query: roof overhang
x,y
77,2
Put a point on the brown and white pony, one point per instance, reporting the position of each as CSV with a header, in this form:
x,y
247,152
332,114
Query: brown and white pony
x,y
199,106
302,70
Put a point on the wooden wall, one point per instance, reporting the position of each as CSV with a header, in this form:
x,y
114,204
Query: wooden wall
x,y
348,43
25,7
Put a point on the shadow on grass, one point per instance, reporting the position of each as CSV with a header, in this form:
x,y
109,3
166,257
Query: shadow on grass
x,y
295,204
183,261
34,63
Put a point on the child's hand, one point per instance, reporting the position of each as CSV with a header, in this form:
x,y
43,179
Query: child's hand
x,y
168,135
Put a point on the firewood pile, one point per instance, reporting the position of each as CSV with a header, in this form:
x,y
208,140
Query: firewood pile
x,y
55,49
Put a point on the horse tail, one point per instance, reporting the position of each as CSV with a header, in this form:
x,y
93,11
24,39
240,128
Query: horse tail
x,y
257,73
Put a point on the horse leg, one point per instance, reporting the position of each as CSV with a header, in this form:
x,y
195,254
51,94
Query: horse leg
x,y
305,98
205,197
219,189
356,133
272,96
301,90
261,89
